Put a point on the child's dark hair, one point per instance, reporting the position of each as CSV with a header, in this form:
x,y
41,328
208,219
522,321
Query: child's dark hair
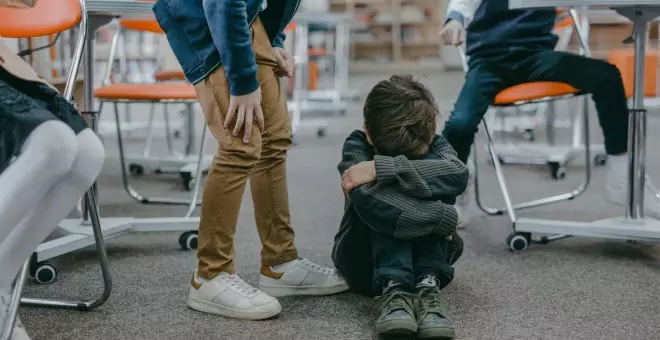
x,y
400,117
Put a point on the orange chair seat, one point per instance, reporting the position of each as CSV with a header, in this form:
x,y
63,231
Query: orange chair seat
x,y
158,91
169,75
533,91
141,25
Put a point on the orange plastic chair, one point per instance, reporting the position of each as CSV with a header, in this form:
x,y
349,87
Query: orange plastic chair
x,y
163,93
152,26
47,18
534,92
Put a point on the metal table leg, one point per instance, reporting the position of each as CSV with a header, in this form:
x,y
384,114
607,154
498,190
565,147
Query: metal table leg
x,y
633,225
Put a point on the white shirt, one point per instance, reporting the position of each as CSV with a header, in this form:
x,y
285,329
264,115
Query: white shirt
x,y
264,5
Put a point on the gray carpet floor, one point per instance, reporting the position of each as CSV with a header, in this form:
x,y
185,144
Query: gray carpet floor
x,y
572,289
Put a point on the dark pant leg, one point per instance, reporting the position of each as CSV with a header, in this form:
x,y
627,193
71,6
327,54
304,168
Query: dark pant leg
x,y
601,79
482,83
435,256
392,260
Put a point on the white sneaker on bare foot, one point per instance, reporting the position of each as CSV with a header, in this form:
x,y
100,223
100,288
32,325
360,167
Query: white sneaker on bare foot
x,y
300,277
229,296
617,186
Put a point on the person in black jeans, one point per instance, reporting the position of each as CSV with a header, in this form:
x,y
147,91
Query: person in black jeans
x,y
508,47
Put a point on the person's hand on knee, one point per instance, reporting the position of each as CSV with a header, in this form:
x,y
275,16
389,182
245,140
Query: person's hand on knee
x,y
243,110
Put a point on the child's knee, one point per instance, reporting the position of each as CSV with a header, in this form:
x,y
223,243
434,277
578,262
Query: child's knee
x,y
234,153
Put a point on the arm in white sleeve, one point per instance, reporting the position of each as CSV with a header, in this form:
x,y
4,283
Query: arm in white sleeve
x,y
462,10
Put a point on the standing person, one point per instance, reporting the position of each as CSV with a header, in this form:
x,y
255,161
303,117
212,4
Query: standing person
x,y
231,50
508,47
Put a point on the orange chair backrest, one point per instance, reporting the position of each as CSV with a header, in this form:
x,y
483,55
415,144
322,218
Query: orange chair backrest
x,y
141,25
46,17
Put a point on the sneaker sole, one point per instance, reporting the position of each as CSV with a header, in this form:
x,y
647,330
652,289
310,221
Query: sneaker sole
x,y
436,333
281,291
396,327
214,308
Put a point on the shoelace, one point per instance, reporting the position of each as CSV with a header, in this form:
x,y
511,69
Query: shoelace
x,y
315,267
241,286
432,302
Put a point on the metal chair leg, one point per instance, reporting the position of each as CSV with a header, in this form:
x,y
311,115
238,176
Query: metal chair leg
x,y
124,174
542,201
500,176
150,131
15,302
84,305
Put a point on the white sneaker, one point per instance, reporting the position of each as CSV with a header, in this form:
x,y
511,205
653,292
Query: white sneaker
x,y
300,277
617,186
229,296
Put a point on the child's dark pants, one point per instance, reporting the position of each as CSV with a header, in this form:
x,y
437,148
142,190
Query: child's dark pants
x,y
404,261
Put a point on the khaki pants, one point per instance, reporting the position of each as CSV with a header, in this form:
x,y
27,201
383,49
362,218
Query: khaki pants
x,y
262,160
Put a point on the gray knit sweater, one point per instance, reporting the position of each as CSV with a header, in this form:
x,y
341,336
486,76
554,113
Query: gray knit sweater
x,y
408,200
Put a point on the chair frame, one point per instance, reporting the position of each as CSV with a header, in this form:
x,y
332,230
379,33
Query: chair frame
x,y
190,183
31,264
519,241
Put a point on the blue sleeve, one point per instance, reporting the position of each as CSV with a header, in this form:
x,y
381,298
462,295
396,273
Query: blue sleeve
x,y
231,35
279,40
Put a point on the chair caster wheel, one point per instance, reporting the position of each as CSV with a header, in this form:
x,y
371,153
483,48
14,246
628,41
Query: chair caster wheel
x,y
188,240
320,133
528,135
600,160
518,241
44,272
557,171
136,169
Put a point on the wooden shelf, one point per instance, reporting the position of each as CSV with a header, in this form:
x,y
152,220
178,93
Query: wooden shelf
x,y
395,30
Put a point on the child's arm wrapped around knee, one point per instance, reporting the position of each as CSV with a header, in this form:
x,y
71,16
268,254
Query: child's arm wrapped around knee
x,y
389,211
440,174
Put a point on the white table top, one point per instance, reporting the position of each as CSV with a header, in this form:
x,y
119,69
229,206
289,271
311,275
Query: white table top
x,y
567,3
119,7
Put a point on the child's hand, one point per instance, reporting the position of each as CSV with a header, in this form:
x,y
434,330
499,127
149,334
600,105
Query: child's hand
x,y
358,174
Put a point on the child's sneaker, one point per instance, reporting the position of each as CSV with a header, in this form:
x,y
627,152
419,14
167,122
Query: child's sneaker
x,y
431,315
229,296
397,315
300,277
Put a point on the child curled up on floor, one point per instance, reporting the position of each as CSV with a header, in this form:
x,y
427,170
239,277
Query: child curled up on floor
x,y
397,240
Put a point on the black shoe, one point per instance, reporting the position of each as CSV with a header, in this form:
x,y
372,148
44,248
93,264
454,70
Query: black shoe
x,y
431,314
396,312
